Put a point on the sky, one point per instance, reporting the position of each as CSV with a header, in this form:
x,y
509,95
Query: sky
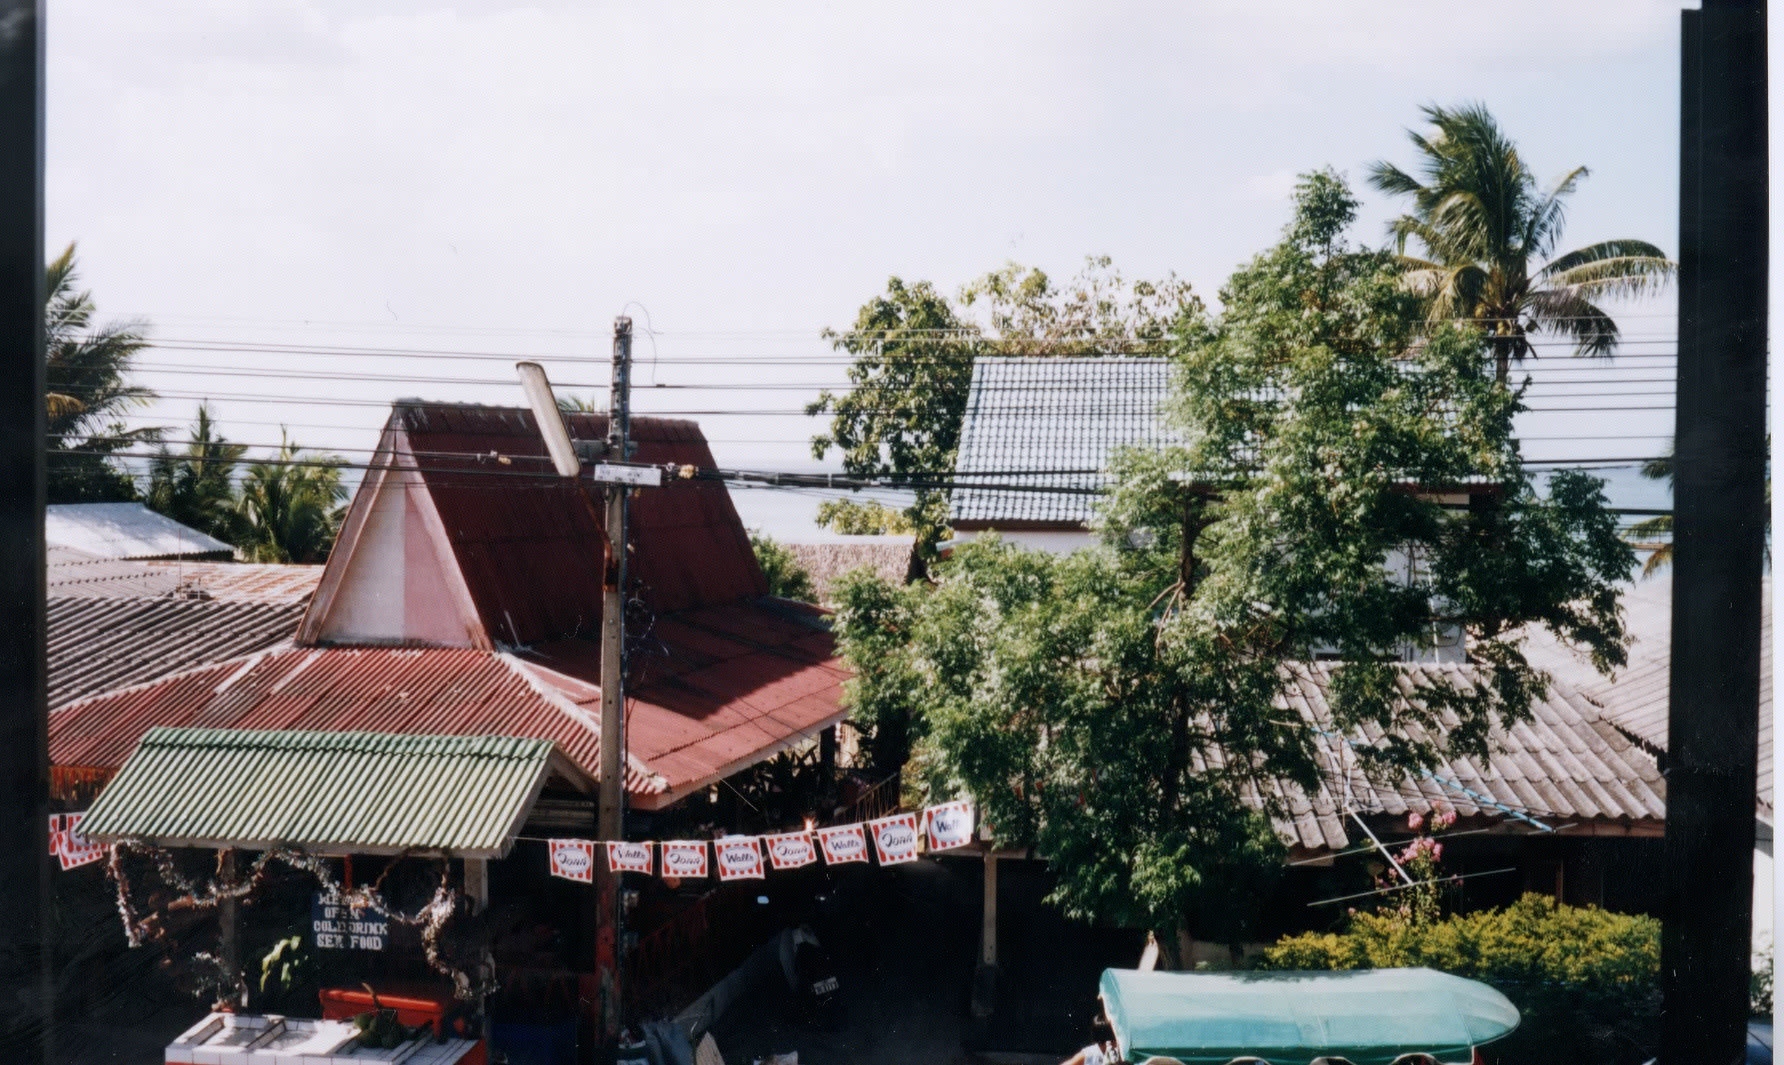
x,y
488,180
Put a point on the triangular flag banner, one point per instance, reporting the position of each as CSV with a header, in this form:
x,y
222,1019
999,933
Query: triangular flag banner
x,y
949,825
684,858
791,850
895,838
844,843
628,857
55,835
739,858
76,850
573,859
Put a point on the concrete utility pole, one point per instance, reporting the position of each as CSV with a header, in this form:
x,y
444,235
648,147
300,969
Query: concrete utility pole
x,y
1718,535
25,1005
612,817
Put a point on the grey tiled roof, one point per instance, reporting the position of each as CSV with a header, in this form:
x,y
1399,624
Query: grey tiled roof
x,y
1567,766
1029,418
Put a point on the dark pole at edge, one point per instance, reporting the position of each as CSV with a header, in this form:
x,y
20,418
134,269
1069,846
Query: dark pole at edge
x,y
24,759
1718,535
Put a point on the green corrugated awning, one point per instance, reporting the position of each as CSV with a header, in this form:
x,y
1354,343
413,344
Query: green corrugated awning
x,y
327,792
1369,1016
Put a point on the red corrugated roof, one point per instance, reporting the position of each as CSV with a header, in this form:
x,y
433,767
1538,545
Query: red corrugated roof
x,y
699,720
530,550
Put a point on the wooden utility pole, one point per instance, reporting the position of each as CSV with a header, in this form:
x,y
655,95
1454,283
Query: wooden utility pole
x,y
25,1018
612,817
1718,535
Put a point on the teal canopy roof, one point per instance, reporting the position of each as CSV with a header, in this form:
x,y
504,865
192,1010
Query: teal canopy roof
x,y
1368,1016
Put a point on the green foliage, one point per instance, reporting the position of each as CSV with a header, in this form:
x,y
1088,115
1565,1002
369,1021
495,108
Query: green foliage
x,y
786,577
1489,235
1586,980
87,368
292,506
913,352
862,518
287,972
1760,985
1115,707
196,486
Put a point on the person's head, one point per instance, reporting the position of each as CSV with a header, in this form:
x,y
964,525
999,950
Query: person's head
x,y
1101,1030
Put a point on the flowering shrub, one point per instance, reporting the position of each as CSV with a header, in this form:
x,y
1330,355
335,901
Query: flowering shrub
x,y
1422,858
1586,980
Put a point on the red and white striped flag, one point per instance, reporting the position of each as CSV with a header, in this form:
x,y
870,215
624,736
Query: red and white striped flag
x,y
949,825
573,859
628,857
790,850
895,838
739,857
843,843
684,858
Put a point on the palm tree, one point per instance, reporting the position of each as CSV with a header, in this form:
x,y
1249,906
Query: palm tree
x,y
292,505
1489,237
1658,529
196,486
88,394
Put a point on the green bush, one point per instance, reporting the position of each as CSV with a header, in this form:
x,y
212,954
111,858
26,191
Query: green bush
x,y
786,577
1586,981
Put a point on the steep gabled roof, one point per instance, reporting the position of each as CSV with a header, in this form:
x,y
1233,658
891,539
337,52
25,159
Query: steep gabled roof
x,y
1056,423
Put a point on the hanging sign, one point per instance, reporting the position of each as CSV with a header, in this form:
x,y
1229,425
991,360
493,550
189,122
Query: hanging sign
x,y
739,858
791,850
844,843
55,835
573,859
949,825
77,850
338,926
628,857
684,858
895,838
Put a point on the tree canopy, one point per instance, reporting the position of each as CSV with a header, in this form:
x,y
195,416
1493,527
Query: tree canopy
x,y
87,367
1348,489
1489,234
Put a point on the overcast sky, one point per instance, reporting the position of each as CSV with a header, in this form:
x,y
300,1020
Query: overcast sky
x,y
504,178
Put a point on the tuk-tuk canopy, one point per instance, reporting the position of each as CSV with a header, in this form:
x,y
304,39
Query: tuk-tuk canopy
x,y
1368,1016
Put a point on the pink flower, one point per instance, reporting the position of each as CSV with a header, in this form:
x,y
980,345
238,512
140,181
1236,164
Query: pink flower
x,y
1415,821
1437,852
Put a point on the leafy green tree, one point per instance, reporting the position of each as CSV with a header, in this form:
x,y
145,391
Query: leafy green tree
x,y
1489,235
292,506
196,485
87,368
914,349
1124,709
862,518
786,577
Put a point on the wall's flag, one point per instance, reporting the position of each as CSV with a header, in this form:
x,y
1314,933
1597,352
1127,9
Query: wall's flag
x,y
684,858
790,850
949,825
55,835
844,843
895,838
77,850
573,859
739,857
628,857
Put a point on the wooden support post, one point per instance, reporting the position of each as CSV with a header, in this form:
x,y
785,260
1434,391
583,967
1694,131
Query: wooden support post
x,y
477,882
229,919
988,936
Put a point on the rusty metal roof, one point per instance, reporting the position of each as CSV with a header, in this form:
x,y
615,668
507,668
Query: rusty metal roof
x,y
726,687
72,572
1566,766
101,644
530,547
335,793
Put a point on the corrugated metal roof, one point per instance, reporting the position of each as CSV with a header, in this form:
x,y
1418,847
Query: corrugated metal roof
x,y
105,643
126,530
1567,765
328,792
72,572
1053,414
530,550
725,687
1637,697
